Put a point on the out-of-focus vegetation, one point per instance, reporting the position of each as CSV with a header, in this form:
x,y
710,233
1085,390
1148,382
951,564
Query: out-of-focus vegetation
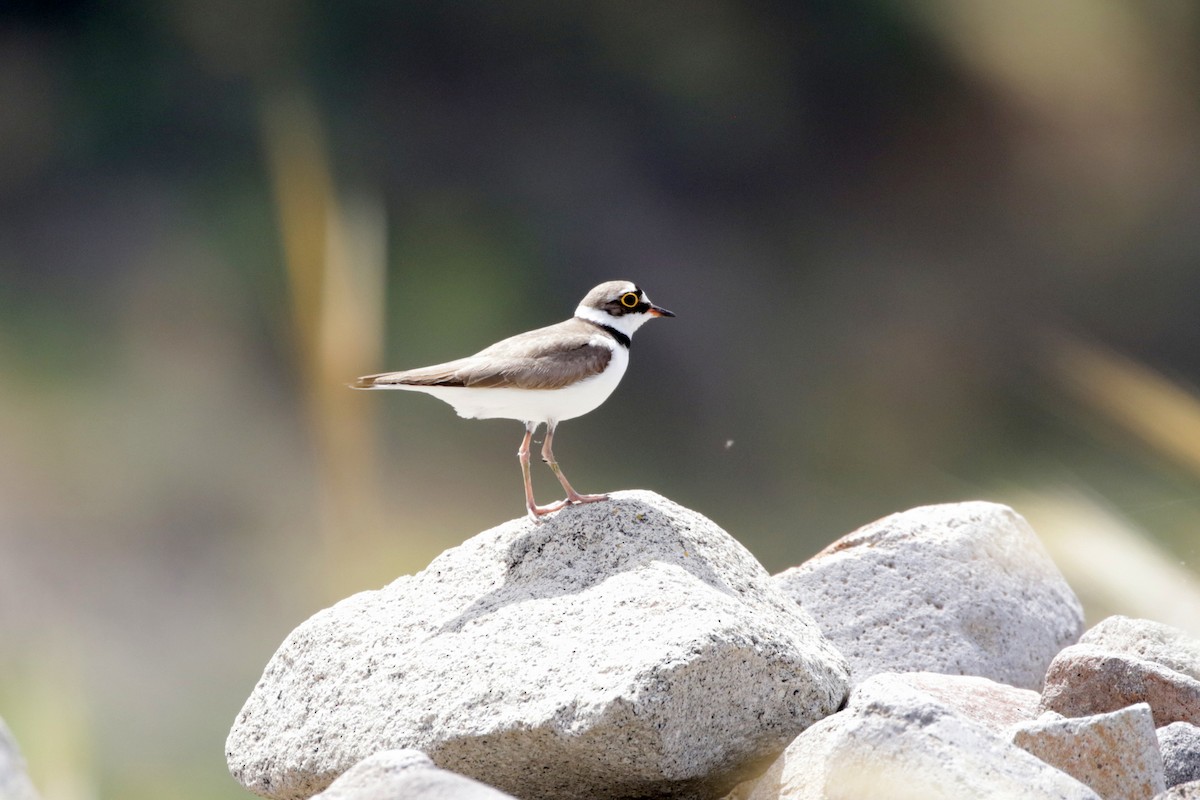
x,y
920,251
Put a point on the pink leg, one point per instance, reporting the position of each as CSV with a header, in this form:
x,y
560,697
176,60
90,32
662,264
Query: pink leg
x,y
548,456
534,509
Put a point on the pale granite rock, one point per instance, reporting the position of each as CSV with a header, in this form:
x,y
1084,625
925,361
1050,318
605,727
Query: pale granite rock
x,y
1115,753
1084,679
963,588
405,775
1184,791
894,742
628,648
1179,744
1149,640
14,781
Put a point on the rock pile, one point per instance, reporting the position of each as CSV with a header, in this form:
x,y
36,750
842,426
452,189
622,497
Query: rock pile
x,y
633,649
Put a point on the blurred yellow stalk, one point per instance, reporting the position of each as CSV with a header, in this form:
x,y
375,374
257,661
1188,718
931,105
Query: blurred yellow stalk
x,y
1163,414
335,257
1113,566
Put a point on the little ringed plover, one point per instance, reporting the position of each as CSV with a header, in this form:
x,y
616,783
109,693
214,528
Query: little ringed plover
x,y
545,376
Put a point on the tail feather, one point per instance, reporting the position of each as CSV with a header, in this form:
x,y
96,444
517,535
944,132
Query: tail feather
x,y
383,380
439,375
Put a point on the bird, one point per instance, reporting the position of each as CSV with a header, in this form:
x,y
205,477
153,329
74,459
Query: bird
x,y
544,376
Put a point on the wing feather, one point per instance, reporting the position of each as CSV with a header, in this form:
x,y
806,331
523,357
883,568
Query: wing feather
x,y
547,358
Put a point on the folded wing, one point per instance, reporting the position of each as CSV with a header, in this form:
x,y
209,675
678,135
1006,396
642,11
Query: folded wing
x,y
548,358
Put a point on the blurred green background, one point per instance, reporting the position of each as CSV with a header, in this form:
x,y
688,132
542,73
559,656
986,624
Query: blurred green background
x,y
920,252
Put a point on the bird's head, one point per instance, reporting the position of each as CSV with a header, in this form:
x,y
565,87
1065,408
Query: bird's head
x,y
621,305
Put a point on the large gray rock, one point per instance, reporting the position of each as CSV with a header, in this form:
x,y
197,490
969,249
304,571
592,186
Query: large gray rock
x,y
14,781
1149,640
963,588
896,742
1085,679
405,775
1179,744
620,649
1115,753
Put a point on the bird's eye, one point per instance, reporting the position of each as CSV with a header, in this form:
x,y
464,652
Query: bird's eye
x,y
630,300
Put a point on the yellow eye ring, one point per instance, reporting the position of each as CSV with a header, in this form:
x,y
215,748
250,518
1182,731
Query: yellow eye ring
x,y
630,300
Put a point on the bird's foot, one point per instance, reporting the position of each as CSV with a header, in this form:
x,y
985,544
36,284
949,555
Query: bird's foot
x,y
576,498
536,512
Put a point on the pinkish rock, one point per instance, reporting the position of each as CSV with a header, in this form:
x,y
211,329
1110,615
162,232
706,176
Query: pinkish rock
x,y
993,705
1115,753
1147,639
1084,680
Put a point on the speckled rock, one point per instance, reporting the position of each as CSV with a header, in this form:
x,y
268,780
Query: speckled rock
x,y
1179,744
1149,640
994,705
14,781
1116,754
1084,679
964,588
405,775
895,742
1184,791
628,648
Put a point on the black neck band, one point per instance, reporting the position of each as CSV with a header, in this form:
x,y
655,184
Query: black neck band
x,y
616,334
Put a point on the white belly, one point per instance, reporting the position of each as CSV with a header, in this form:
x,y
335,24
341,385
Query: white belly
x,y
532,405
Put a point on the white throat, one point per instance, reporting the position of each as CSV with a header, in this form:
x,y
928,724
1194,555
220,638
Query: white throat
x,y
626,324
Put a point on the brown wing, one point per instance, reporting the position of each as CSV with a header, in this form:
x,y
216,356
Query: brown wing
x,y
548,358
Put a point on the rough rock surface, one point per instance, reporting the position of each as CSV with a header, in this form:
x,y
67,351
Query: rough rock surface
x,y
1179,744
1115,753
896,742
1084,679
1184,791
993,705
1147,639
14,781
617,649
407,774
963,588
